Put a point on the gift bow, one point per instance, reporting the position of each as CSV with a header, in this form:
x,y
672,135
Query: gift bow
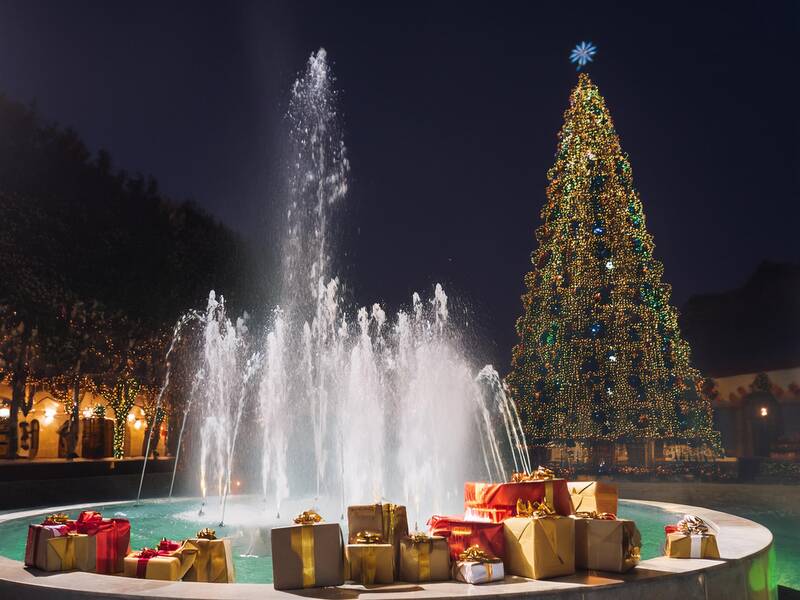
x,y
166,545
369,537
209,534
307,517
56,519
476,554
537,510
539,474
593,514
692,525
419,537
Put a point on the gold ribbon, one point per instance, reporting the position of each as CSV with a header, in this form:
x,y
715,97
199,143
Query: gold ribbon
x,y
206,534
540,474
535,510
369,537
421,545
593,514
368,557
302,543
57,518
477,554
691,524
307,517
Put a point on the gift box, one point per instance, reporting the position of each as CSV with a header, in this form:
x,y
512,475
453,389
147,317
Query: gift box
x,y
214,560
540,546
539,486
307,554
593,496
36,544
424,558
390,520
605,543
475,566
369,560
105,545
165,563
690,538
461,534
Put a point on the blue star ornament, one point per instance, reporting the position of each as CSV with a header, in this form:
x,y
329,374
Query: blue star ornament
x,y
583,54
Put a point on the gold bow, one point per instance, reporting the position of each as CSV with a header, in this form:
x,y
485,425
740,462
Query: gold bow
x,y
419,537
476,554
537,510
307,517
593,514
691,524
539,474
60,518
369,537
207,534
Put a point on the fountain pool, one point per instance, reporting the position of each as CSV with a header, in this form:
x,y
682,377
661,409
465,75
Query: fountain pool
x,y
249,531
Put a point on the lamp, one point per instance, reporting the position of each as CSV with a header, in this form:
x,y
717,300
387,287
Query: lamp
x,y
131,417
49,415
87,413
764,411
5,412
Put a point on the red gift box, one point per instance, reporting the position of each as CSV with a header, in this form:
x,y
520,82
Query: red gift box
x,y
111,536
501,498
461,534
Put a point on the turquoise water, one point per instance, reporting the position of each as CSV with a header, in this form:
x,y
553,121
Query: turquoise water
x,y
153,520
177,520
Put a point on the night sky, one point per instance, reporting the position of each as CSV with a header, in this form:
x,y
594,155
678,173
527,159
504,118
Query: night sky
x,y
451,113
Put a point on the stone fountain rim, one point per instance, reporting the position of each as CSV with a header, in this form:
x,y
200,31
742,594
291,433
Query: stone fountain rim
x,y
739,539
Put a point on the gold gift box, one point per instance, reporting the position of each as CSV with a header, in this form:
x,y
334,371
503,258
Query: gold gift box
x,y
390,520
539,548
424,559
684,545
213,563
306,556
59,553
368,564
607,545
171,567
593,496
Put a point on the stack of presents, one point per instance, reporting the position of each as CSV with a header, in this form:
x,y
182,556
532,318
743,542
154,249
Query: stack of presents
x,y
536,526
98,545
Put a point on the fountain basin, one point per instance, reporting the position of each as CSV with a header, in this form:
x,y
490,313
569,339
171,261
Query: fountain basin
x,y
745,570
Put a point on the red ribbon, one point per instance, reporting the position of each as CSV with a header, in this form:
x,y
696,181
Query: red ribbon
x,y
111,539
144,557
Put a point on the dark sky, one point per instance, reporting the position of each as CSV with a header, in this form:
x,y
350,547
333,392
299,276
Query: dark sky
x,y
451,114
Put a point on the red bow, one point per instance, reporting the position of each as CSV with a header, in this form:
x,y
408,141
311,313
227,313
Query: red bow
x,y
168,545
144,556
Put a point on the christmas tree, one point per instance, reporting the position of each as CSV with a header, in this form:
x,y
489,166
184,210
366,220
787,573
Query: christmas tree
x,y
600,356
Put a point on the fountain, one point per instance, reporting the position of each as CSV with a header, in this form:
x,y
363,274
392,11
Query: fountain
x,y
353,406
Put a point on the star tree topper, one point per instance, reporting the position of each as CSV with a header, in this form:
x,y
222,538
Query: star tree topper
x,y
583,54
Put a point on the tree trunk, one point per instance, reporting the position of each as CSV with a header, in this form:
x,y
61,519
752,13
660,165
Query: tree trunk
x,y
18,380
72,436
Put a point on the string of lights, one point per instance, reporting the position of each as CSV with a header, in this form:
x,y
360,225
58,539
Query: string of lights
x,y
600,356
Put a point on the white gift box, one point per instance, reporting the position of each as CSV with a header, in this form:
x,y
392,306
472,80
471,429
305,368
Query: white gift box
x,y
478,572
